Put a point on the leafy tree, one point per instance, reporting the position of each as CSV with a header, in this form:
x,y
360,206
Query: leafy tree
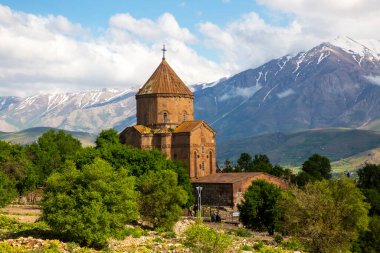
x,y
318,167
228,166
325,215
107,137
369,241
7,190
161,198
244,162
369,177
89,205
261,163
259,209
51,151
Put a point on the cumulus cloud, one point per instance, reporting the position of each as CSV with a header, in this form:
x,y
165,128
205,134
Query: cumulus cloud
x,y
251,41
240,92
40,54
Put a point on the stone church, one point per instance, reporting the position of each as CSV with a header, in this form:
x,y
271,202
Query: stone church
x,y
165,120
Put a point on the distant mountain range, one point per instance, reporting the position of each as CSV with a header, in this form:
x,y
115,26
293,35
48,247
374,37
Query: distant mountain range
x,y
333,85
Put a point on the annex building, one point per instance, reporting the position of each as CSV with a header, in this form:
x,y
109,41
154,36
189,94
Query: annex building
x,y
165,120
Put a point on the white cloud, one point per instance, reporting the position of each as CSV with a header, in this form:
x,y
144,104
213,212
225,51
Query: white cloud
x,y
40,54
285,93
251,41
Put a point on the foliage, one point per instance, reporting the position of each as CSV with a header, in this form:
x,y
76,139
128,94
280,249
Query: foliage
x,y
7,190
202,239
242,232
318,167
244,163
292,244
107,137
369,241
325,215
369,177
161,198
278,238
259,209
51,151
91,205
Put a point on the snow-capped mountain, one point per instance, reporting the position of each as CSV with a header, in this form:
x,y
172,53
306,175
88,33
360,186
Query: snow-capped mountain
x,y
89,111
335,84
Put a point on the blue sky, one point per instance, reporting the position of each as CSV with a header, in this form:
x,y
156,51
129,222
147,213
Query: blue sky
x,y
50,46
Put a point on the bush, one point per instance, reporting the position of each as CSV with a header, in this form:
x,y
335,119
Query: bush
x,y
246,248
242,232
202,239
278,238
258,245
7,190
292,244
89,206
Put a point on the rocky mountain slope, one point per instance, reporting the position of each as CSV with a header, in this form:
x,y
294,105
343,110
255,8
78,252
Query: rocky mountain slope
x,y
88,111
336,84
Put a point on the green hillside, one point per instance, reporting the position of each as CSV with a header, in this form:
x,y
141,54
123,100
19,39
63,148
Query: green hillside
x,y
294,148
31,135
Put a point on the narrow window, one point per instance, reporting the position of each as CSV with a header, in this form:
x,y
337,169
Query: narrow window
x,y
203,149
203,165
165,117
184,116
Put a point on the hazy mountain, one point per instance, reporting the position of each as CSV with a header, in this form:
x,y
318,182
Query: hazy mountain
x,y
89,111
335,84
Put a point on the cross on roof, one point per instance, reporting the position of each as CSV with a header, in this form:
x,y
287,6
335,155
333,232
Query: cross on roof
x,y
163,51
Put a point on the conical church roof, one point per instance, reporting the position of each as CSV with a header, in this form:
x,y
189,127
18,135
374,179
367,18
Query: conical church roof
x,y
164,81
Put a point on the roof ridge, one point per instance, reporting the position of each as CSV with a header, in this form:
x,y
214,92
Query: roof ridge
x,y
164,80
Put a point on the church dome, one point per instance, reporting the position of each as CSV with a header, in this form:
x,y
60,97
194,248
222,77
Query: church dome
x,y
164,81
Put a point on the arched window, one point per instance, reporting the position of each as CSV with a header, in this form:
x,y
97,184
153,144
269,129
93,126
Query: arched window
x,y
184,116
203,165
203,149
165,117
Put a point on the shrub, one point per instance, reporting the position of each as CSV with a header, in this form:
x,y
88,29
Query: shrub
x,y
242,232
91,205
246,248
258,245
292,244
278,238
202,239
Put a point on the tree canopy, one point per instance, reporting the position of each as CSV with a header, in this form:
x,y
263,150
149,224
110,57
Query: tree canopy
x,y
259,209
325,215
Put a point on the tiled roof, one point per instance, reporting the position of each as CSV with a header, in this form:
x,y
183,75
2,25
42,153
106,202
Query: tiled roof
x,y
187,126
142,129
226,178
164,81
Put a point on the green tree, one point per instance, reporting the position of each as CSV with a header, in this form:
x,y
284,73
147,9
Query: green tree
x,y
51,151
261,163
89,205
107,137
369,177
318,167
259,209
161,198
325,215
369,241
244,162
7,190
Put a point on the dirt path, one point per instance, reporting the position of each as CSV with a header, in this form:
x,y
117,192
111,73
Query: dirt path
x,y
23,213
